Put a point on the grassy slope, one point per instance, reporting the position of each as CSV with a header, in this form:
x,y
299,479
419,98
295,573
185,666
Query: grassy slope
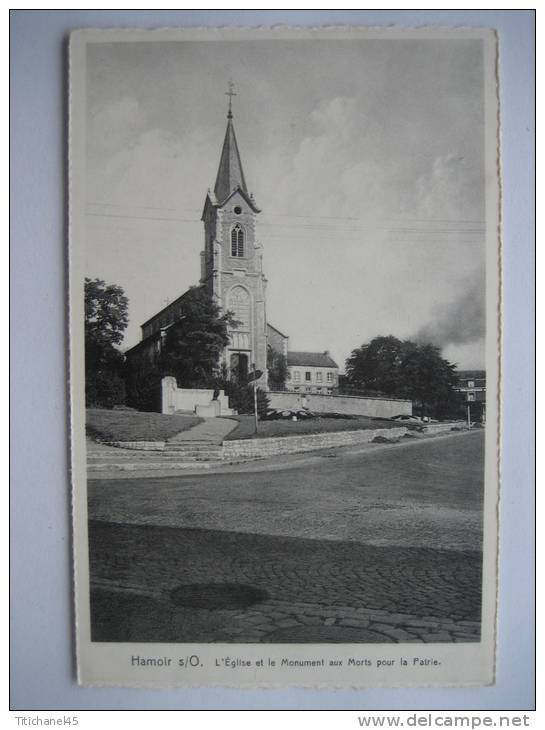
x,y
104,425
246,427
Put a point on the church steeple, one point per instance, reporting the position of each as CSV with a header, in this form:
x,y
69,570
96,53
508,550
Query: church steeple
x,y
232,260
230,173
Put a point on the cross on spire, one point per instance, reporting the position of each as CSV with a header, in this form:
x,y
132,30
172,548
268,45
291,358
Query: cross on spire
x,y
230,93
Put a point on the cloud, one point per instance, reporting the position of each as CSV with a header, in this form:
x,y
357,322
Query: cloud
x,y
331,171
115,124
460,321
447,190
155,168
353,244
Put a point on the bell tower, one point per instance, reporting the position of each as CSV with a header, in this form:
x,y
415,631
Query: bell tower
x,y
231,262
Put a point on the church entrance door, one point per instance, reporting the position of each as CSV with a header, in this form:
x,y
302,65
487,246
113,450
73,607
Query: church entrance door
x,y
238,366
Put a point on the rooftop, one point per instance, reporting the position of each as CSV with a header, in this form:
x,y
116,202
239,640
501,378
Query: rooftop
x,y
312,359
470,374
276,330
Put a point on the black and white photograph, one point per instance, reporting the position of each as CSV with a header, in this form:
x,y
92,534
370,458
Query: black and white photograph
x,y
284,305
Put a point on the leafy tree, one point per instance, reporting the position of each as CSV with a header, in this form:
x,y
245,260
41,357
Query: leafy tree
x,y
106,318
143,381
429,379
376,366
105,389
405,369
106,313
277,365
241,398
193,345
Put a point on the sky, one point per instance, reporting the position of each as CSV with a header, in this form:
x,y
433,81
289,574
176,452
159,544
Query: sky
x,y
366,157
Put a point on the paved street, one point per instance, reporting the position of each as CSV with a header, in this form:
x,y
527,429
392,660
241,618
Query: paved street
x,y
376,545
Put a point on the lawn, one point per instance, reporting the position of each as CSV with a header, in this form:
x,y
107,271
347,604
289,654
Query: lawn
x,y
246,426
104,425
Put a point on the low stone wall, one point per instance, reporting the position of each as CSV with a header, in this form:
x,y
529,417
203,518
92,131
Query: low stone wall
x,y
442,427
348,404
254,448
138,445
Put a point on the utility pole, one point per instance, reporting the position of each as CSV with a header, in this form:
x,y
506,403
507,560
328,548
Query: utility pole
x,y
254,377
255,404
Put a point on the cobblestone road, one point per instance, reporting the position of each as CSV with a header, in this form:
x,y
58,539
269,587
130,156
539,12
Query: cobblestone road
x,y
369,586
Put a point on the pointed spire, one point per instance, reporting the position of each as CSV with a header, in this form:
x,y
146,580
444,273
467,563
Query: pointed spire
x,y
230,173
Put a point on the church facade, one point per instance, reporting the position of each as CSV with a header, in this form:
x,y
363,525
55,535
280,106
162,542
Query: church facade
x,y
231,272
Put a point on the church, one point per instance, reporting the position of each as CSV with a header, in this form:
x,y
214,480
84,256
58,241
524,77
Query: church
x,y
232,273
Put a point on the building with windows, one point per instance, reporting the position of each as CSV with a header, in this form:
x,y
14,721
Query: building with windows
x,y
472,386
232,273
312,372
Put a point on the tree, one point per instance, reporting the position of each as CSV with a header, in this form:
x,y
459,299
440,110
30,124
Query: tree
x,y
376,365
241,398
405,369
429,379
106,313
106,318
105,389
143,382
194,343
277,366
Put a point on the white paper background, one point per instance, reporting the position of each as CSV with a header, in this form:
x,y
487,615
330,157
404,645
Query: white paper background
x,y
42,648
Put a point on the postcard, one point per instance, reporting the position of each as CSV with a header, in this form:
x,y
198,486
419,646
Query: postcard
x,y
285,355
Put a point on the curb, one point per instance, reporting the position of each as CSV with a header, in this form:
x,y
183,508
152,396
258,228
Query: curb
x,y
156,466
137,445
147,469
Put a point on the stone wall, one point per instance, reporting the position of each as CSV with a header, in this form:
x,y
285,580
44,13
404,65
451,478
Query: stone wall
x,y
187,399
138,445
248,448
347,404
443,427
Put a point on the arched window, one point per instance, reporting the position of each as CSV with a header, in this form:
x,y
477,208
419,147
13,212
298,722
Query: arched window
x,y
237,241
238,303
